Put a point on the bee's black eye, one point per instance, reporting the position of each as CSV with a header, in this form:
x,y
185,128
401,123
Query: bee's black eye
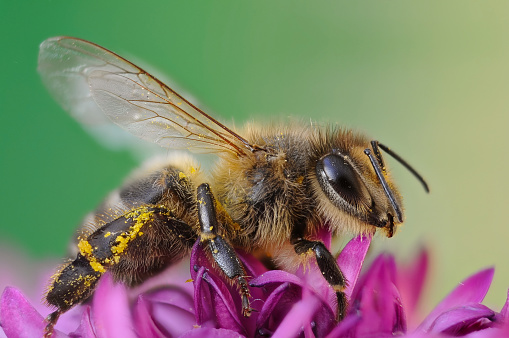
x,y
337,177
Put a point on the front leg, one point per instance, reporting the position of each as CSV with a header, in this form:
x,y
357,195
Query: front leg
x,y
329,269
220,249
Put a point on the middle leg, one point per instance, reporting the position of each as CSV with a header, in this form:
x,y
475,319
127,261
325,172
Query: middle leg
x,y
221,250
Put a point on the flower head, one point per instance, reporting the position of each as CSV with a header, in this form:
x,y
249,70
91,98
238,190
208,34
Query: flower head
x,y
382,303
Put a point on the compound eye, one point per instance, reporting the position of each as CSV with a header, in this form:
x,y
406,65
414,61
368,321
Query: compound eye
x,y
338,178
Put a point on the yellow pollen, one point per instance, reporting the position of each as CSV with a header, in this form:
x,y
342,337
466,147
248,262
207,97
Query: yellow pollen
x,y
97,266
141,217
85,248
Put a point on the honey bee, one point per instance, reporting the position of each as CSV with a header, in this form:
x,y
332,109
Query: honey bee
x,y
271,190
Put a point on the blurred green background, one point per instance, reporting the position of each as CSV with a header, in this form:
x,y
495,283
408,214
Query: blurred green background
x,y
429,79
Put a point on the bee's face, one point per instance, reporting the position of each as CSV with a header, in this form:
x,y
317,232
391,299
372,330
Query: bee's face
x,y
350,189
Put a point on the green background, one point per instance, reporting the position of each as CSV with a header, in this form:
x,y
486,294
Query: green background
x,y
430,79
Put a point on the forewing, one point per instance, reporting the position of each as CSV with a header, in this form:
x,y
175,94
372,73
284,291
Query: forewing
x,y
91,83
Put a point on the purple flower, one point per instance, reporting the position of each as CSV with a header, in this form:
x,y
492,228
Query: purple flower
x,y
382,303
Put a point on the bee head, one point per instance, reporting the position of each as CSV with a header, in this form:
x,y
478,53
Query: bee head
x,y
356,188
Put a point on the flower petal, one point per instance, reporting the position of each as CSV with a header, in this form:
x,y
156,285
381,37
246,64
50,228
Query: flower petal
x,y
276,276
270,304
491,332
471,290
285,291
309,280
351,258
18,317
144,324
170,295
202,299
504,313
410,282
377,300
253,266
208,332
222,302
462,320
86,329
110,310
299,317
324,235
213,299
155,316
346,328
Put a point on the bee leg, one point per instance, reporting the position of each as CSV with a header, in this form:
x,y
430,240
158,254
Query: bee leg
x,y
71,285
329,269
51,320
121,246
223,253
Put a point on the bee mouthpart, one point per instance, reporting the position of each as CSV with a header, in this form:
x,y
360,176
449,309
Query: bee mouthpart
x,y
389,226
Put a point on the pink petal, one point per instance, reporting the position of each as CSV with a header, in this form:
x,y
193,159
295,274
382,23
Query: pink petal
x,y
351,258
145,325
471,290
171,310
111,311
208,332
213,300
505,310
377,300
459,321
171,295
276,276
324,235
270,304
253,266
346,327
273,277
222,302
491,332
19,318
217,299
282,299
299,317
202,299
86,329
410,282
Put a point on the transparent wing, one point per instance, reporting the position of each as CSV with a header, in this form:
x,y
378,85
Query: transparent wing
x,y
95,84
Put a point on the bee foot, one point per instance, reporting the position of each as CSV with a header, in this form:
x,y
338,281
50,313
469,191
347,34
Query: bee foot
x,y
51,320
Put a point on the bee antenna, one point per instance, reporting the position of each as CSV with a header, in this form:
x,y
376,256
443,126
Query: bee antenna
x,y
385,186
400,160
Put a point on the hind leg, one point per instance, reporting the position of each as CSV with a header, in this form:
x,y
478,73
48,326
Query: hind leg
x,y
133,245
128,248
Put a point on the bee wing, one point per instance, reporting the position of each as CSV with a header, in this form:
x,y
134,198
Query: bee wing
x,y
92,82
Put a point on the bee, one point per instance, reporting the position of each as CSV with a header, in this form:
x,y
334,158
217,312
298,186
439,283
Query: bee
x,y
270,191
